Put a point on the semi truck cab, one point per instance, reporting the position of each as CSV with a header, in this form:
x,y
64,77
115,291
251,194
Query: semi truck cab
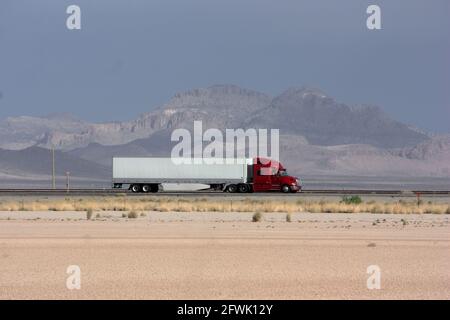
x,y
271,175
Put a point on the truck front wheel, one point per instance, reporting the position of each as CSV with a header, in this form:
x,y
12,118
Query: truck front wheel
x,y
285,188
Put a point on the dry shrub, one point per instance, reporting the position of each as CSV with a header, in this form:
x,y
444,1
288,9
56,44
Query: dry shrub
x,y
376,209
351,199
288,218
89,214
132,215
257,217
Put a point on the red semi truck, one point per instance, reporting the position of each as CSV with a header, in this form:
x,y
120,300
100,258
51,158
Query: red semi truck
x,y
230,175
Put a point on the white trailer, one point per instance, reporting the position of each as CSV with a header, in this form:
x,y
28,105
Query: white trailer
x,y
147,174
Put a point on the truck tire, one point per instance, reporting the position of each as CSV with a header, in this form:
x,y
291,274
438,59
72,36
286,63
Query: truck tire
x,y
145,188
243,188
285,188
232,188
154,188
135,188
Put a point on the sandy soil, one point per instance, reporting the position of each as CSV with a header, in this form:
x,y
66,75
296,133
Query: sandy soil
x,y
224,256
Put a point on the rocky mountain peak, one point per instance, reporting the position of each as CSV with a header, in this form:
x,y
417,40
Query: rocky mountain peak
x,y
63,116
322,120
219,97
303,92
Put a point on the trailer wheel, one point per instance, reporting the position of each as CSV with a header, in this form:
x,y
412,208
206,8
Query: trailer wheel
x,y
135,188
232,188
285,188
243,188
154,188
145,188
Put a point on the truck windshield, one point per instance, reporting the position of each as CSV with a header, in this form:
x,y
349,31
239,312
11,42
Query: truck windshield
x,y
282,173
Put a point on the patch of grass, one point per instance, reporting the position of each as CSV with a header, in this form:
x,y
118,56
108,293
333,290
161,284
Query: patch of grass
x,y
349,204
376,209
132,214
89,213
143,214
120,194
98,215
351,199
257,217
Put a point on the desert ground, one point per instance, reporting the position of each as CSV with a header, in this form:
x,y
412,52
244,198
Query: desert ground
x,y
223,255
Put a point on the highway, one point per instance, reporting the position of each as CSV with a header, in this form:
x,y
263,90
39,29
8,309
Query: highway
x,y
209,193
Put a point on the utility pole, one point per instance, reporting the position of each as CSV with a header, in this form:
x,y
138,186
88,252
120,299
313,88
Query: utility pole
x,y
67,181
53,168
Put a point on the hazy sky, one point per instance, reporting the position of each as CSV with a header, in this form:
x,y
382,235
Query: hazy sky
x,y
131,56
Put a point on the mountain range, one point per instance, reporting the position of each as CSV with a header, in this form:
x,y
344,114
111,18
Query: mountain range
x,y
318,135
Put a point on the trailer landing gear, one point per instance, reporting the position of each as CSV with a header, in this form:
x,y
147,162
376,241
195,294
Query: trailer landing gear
x,y
216,187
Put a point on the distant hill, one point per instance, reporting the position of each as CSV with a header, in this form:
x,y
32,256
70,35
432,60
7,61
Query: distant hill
x,y
319,136
302,111
217,106
323,121
38,161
